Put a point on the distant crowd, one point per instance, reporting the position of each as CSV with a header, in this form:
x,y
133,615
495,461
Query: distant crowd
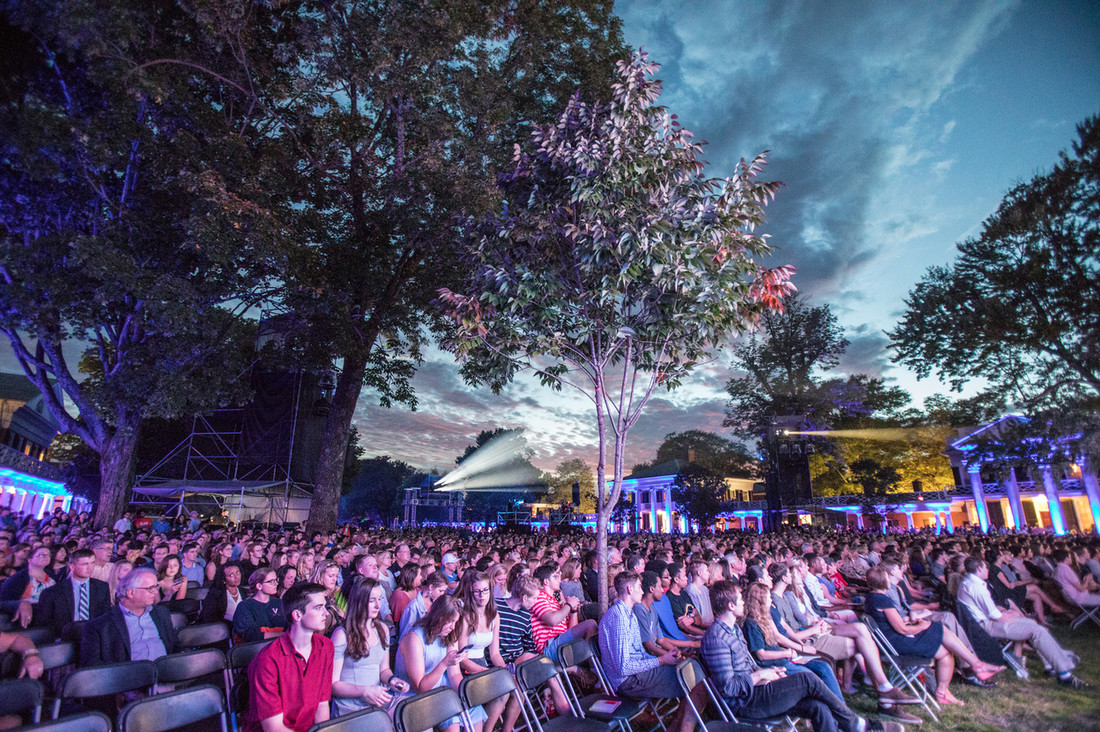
x,y
786,623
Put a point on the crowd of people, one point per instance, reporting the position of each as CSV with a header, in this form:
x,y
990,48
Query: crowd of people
x,y
360,619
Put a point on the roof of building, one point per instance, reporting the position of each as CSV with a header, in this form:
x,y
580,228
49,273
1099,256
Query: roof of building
x,y
17,387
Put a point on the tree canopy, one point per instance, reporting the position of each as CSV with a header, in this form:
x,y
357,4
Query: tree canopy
x,y
614,266
134,216
1019,308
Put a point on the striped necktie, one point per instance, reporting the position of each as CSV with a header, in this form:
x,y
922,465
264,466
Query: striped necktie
x,y
82,604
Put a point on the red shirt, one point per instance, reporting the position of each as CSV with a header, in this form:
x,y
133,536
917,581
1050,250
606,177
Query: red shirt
x,y
281,681
545,633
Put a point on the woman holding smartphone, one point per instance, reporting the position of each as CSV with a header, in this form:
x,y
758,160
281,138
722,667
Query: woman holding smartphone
x,y
361,673
480,636
172,584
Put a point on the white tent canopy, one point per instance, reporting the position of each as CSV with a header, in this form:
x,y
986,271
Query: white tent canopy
x,y
264,501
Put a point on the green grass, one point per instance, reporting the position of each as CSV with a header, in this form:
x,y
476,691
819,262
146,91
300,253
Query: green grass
x,y
1039,705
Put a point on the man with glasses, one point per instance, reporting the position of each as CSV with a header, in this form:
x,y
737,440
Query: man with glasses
x,y
137,629
103,549
260,616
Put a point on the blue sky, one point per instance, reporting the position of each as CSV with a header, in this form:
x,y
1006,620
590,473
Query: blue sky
x,y
896,129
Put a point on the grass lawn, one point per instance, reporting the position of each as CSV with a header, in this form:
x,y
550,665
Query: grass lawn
x,y
1040,704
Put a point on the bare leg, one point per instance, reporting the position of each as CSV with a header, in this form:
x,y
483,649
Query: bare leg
x,y
865,646
493,711
945,669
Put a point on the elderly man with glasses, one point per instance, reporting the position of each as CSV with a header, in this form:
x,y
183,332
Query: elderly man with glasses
x,y
136,629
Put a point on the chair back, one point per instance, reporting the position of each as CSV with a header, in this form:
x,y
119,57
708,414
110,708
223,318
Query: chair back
x,y
198,593
203,634
179,620
374,720
426,711
580,651
83,722
173,709
56,655
240,656
112,678
189,665
485,687
535,672
20,695
38,636
881,640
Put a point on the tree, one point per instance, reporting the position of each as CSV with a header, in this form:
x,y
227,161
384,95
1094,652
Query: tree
x,y
614,265
700,494
376,489
401,114
783,362
133,217
722,457
1019,306
561,484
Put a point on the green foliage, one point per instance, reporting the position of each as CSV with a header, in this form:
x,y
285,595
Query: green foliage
x,y
134,214
700,493
376,488
1018,307
707,450
614,265
561,484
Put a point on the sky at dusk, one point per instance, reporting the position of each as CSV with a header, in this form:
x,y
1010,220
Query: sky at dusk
x,y
896,128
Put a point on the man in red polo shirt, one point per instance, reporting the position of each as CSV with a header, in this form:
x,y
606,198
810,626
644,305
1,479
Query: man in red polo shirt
x,y
290,681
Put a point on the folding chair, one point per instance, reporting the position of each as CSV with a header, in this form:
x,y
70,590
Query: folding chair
x,y
179,620
57,655
236,688
495,683
531,675
905,670
1087,613
83,722
173,709
426,711
690,674
197,593
22,695
178,668
579,652
38,636
374,720
99,681
203,635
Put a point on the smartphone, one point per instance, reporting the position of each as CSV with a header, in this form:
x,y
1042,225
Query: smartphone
x,y
465,648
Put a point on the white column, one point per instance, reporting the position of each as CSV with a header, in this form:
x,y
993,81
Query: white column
x,y
974,470
909,519
1057,520
859,520
950,522
1092,491
939,524
1014,503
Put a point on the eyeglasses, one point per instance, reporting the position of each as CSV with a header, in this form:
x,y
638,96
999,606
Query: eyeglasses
x,y
149,588
482,592
271,581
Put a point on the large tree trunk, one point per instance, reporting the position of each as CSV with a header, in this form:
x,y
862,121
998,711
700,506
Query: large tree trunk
x,y
328,476
116,470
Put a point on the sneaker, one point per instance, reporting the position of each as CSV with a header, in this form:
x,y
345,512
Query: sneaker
x,y
897,696
1074,682
899,715
877,726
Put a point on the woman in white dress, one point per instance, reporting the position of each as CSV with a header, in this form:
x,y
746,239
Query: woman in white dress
x,y
361,673
481,632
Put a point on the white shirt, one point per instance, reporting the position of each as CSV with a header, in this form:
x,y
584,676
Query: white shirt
x,y
122,525
974,593
231,603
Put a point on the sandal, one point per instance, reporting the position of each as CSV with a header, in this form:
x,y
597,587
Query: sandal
x,y
987,671
948,699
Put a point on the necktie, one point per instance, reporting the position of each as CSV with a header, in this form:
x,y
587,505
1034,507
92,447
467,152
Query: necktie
x,y
82,605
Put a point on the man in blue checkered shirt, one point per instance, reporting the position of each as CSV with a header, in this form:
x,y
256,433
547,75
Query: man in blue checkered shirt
x,y
631,670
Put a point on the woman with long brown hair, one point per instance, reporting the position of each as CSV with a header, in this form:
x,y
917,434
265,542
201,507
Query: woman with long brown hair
x,y
361,674
481,633
428,656
326,574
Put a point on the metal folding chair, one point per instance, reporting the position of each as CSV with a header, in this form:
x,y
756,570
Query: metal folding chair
x,y
430,709
533,674
99,681
22,695
179,668
83,722
174,709
580,653
203,635
905,670
690,674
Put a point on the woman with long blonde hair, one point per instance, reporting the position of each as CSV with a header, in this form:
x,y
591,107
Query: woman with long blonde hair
x,y
326,574
771,647
118,570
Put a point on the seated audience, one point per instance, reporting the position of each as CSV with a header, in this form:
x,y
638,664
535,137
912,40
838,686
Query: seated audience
x,y
136,629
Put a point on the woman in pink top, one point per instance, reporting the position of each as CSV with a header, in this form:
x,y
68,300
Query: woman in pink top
x,y
1081,592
